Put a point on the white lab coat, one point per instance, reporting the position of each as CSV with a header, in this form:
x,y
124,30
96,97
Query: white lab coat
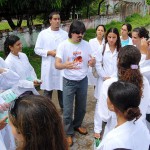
x,y
11,80
129,135
95,45
102,112
21,65
49,40
109,68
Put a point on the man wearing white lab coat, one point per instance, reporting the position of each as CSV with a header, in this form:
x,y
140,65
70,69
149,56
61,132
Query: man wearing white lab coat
x,y
46,45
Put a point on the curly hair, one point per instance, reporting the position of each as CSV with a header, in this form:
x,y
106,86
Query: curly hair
x,y
130,55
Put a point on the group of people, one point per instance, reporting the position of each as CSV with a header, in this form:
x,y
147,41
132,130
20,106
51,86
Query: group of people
x,y
122,64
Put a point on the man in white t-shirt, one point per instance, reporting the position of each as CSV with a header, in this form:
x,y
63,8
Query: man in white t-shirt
x,y
46,45
74,57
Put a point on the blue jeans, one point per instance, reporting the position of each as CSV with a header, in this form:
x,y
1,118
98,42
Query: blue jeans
x,y
78,90
48,94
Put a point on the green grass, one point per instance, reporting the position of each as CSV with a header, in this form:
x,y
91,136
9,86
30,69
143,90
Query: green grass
x,y
5,25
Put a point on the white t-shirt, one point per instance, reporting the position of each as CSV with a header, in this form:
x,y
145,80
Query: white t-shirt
x,y
130,135
78,53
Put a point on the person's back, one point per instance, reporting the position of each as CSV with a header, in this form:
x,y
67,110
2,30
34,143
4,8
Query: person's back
x,y
130,132
131,135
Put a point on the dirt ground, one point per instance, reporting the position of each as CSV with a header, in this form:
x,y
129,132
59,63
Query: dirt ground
x,y
83,142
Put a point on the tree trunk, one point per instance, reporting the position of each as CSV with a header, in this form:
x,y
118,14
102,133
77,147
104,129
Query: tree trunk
x,y
99,6
10,22
87,12
19,22
73,12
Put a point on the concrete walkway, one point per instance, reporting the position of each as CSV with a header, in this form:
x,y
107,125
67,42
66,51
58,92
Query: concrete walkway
x,y
83,142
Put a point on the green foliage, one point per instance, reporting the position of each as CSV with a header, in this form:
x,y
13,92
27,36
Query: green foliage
x,y
137,20
148,2
90,33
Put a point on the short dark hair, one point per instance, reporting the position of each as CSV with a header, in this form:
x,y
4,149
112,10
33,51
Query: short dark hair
x,y
142,32
76,27
53,13
126,98
10,41
129,28
101,25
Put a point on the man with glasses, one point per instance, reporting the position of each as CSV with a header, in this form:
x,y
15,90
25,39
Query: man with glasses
x,y
46,46
74,57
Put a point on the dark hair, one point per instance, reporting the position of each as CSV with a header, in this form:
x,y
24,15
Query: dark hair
x,y
53,13
38,121
115,31
126,98
10,41
101,25
129,28
130,55
76,27
142,32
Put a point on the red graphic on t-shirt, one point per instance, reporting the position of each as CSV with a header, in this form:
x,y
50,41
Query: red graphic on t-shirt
x,y
78,59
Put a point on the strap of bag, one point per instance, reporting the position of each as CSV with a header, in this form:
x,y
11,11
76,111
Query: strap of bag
x,y
103,53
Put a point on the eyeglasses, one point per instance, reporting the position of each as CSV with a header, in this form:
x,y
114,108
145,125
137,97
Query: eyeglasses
x,y
12,108
78,32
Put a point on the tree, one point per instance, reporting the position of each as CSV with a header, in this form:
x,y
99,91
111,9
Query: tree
x,y
21,9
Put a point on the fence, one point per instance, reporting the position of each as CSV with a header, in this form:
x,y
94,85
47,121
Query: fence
x,y
28,36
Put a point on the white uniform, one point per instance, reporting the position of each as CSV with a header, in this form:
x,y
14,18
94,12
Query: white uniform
x,y
21,65
129,135
109,68
49,40
145,66
102,112
94,43
11,80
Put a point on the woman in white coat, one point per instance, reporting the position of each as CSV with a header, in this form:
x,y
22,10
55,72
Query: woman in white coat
x,y
10,82
128,70
139,38
124,99
17,61
126,35
95,44
106,66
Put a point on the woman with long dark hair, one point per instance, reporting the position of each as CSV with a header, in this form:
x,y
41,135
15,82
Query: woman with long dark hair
x,y
128,71
36,124
124,99
106,66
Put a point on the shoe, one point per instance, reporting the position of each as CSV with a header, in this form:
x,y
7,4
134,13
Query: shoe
x,y
69,141
81,130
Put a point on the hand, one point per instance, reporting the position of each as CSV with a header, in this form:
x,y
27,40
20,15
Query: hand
x,y
52,53
70,65
4,107
92,61
3,122
2,70
105,78
97,135
37,83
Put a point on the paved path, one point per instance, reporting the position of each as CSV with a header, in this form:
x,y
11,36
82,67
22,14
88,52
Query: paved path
x,y
84,142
